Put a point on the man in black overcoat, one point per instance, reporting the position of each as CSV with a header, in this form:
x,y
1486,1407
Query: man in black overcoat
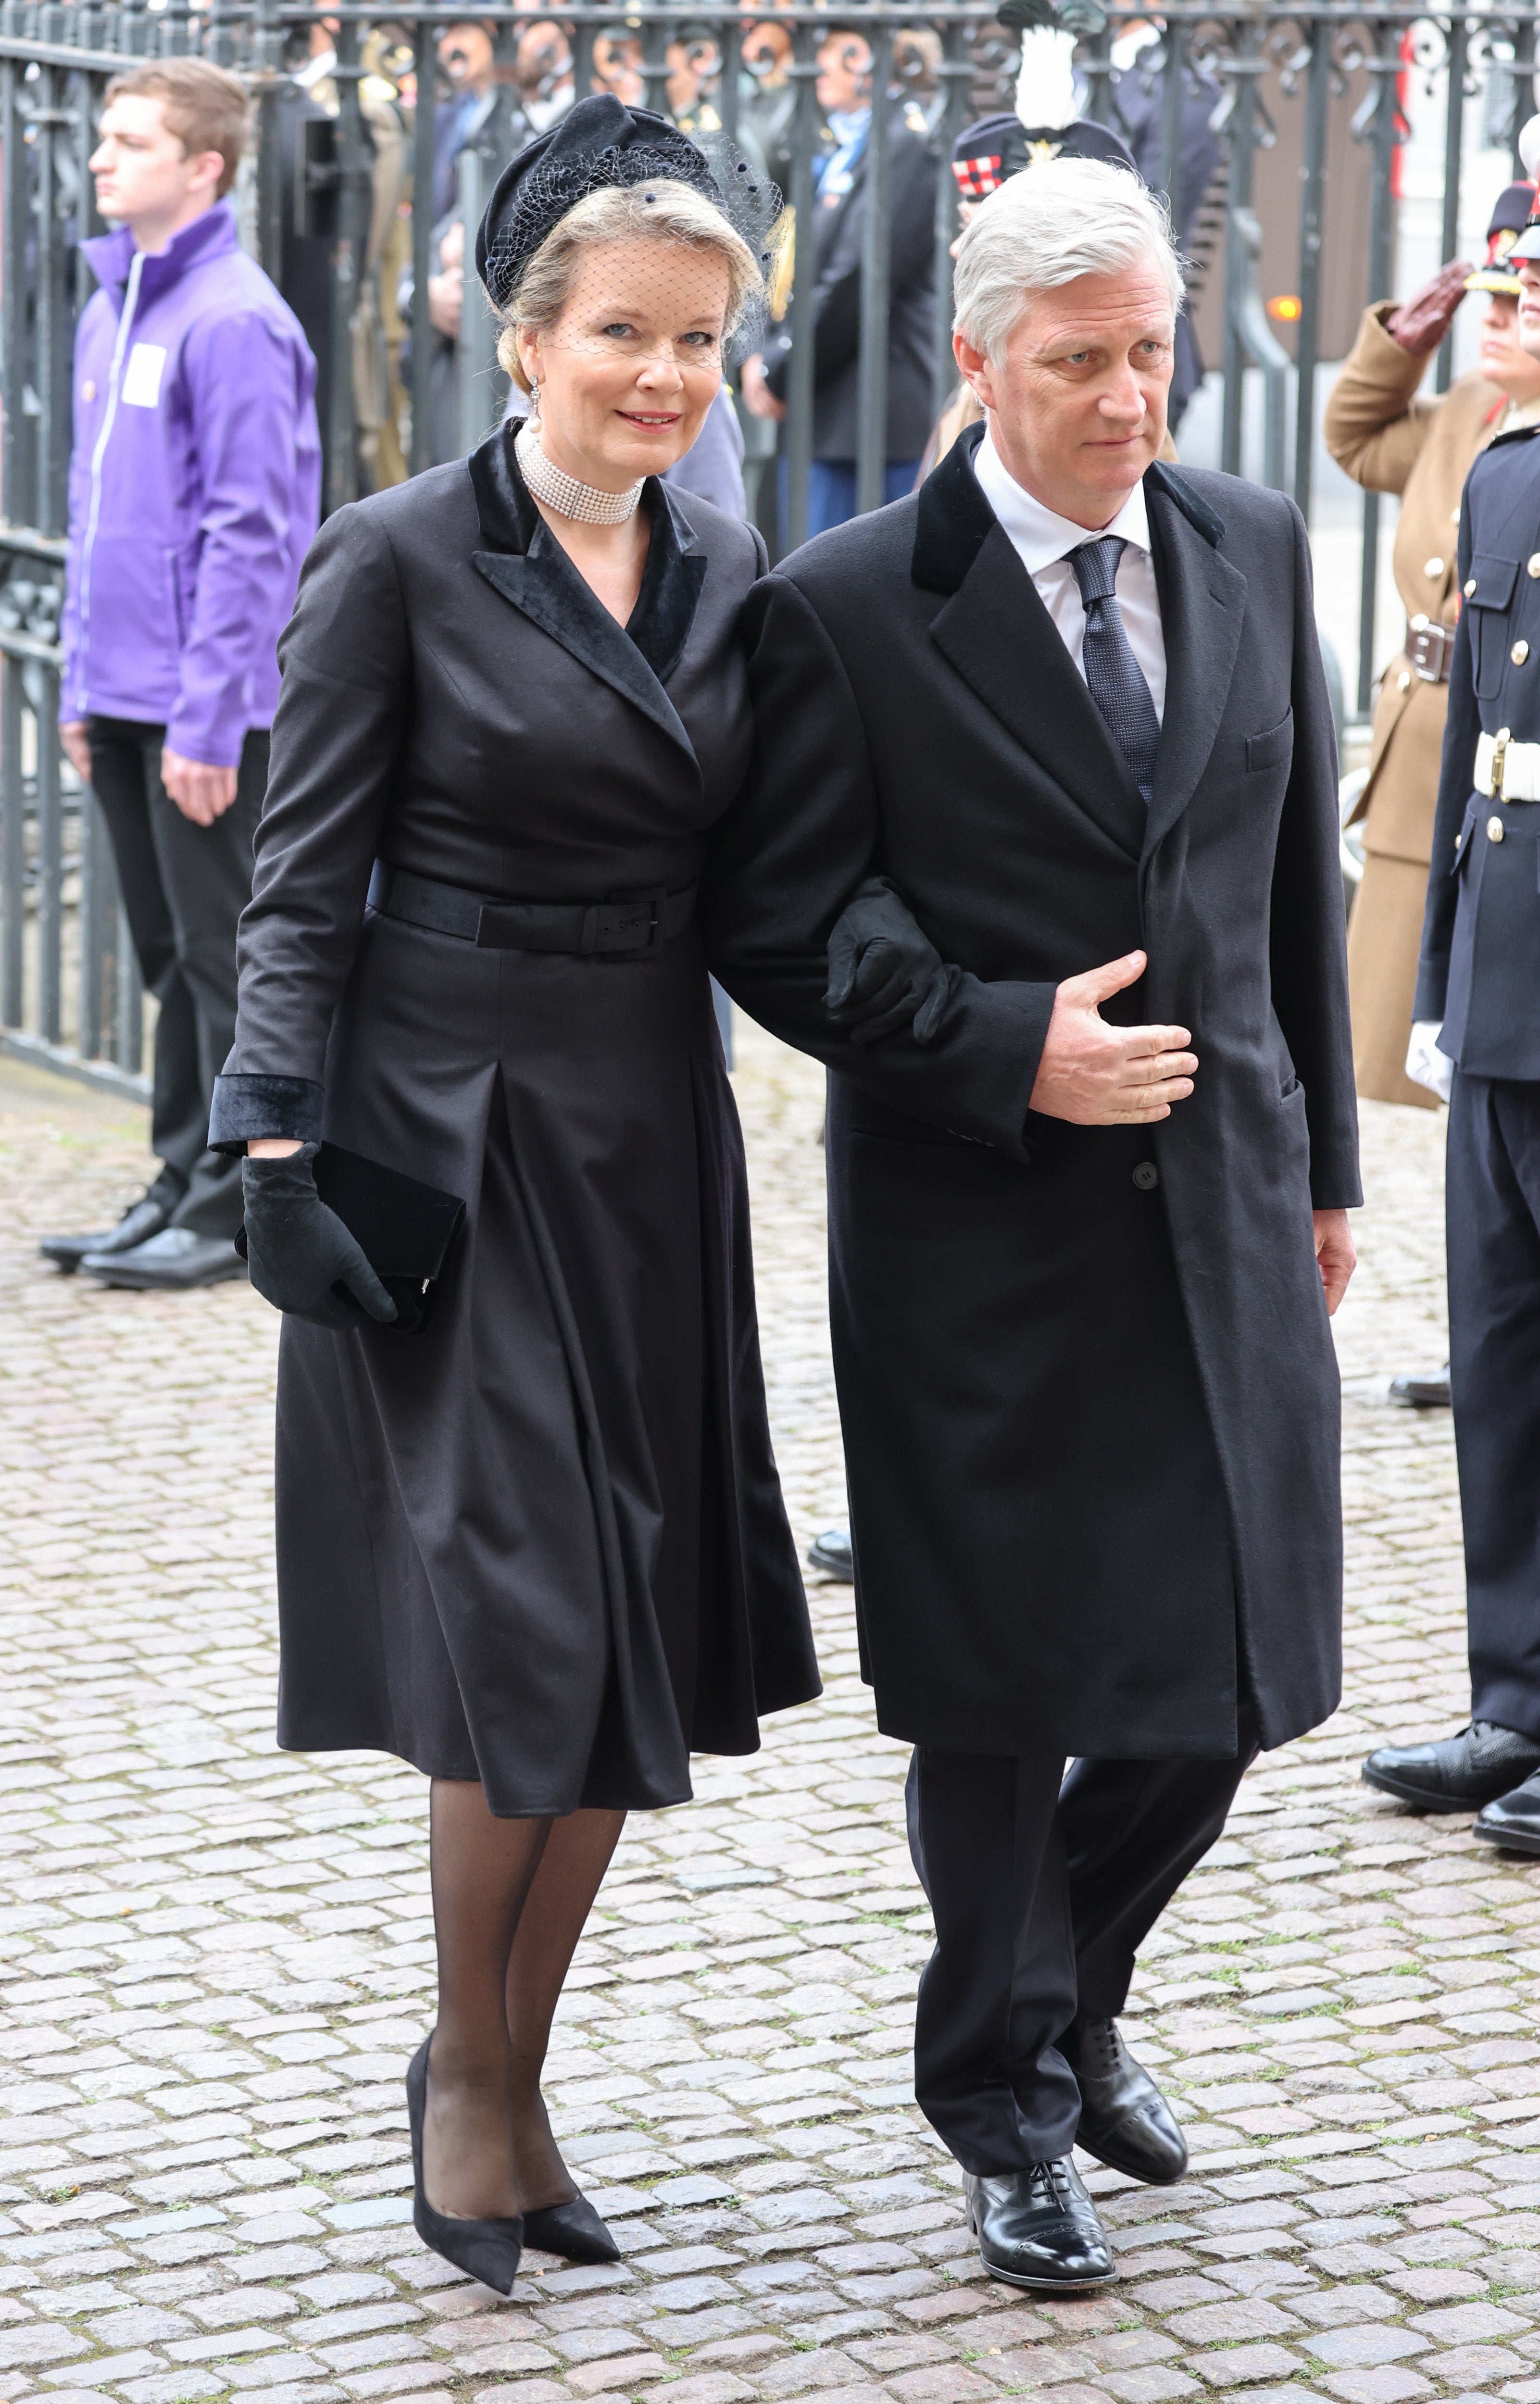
x,y
842,171
1088,1208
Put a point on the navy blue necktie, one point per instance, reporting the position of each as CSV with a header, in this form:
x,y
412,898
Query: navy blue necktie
x,y
1114,676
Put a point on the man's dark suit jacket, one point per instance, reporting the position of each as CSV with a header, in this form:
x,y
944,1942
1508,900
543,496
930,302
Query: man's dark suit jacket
x,y
1088,1390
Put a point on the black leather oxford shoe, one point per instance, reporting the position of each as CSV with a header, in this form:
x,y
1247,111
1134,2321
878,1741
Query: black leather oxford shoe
x,y
173,1261
1427,1391
136,1225
1125,2121
1513,1821
1038,2228
831,1554
1460,1774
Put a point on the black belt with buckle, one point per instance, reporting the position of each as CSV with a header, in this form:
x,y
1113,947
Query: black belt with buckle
x,y
628,927
1430,649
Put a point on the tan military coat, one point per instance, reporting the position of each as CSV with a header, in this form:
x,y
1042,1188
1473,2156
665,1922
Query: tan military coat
x,y
1390,439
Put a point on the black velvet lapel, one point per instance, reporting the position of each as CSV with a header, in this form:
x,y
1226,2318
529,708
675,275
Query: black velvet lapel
x,y
671,584
1203,611
528,565
1159,478
1002,641
954,518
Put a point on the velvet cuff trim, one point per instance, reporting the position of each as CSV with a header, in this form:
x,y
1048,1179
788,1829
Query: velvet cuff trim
x,y
247,1107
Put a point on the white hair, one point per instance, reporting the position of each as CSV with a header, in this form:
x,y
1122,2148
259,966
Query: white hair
x,y
1044,227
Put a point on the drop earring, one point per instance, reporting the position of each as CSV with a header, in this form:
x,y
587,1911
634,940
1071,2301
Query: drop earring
x,y
533,401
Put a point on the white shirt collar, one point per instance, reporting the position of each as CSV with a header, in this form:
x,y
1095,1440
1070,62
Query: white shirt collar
x,y
1040,535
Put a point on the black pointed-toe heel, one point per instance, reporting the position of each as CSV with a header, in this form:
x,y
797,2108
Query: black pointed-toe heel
x,y
573,2229
489,2250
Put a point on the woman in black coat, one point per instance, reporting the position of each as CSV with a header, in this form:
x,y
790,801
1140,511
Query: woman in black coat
x,y
536,1548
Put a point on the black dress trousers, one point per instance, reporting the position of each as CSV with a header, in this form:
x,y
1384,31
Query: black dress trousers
x,y
184,888
1494,1220
1041,1893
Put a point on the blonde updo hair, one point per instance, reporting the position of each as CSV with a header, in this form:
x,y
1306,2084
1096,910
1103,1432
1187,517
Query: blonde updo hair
x,y
670,214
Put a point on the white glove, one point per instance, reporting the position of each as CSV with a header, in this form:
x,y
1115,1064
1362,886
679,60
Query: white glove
x,y
1426,1064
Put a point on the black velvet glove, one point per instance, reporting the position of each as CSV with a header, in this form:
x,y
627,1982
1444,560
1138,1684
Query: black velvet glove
x,y
883,971
300,1254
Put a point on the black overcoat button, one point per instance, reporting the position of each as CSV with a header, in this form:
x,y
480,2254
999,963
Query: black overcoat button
x,y
1146,1176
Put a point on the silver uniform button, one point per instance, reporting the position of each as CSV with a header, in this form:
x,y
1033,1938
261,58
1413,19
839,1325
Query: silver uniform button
x,y
1495,834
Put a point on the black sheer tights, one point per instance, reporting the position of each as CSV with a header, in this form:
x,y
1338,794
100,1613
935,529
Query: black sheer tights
x,y
510,1900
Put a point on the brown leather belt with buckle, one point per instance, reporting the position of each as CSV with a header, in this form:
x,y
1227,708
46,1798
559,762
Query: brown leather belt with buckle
x,y
1430,649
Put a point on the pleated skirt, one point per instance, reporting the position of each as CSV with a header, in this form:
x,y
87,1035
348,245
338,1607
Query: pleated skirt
x,y
541,1542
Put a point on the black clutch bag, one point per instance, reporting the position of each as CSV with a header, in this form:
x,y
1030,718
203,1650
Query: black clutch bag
x,y
405,1229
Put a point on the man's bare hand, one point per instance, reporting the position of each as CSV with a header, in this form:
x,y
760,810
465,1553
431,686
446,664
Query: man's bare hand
x,y
1421,323
1097,1075
446,302
758,399
201,792
1333,1249
72,734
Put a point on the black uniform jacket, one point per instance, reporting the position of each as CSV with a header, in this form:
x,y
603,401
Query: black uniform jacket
x,y
838,221
1479,971
1087,1384
541,1542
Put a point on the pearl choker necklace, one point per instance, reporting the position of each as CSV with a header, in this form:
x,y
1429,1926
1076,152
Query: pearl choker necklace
x,y
583,503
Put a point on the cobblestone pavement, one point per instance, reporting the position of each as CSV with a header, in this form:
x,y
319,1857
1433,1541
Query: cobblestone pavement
x,y
216,1959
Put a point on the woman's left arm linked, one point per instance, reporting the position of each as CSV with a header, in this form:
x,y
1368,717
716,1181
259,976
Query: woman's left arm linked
x,y
336,738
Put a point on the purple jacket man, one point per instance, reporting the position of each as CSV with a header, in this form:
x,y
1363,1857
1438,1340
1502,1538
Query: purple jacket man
x,y
194,489
194,493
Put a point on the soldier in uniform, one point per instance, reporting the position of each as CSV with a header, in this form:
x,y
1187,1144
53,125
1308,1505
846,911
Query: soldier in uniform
x,y
1478,1003
1390,439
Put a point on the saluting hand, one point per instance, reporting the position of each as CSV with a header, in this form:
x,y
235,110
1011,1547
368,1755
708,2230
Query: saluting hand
x,y
1421,323
1098,1075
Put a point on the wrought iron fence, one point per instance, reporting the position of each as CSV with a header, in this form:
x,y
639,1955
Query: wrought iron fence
x,y
1318,107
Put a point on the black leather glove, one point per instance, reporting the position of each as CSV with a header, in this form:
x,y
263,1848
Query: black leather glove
x,y
299,1252
883,969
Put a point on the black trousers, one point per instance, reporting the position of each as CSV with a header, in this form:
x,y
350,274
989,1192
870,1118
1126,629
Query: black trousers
x,y
1041,1893
1493,1182
184,888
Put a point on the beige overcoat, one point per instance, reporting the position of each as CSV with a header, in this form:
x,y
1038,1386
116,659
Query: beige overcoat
x,y
1390,439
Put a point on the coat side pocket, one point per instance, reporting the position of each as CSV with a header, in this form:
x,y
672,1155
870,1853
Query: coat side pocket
x,y
1268,751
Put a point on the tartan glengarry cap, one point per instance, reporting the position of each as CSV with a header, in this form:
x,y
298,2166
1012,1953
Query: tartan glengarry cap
x,y
988,154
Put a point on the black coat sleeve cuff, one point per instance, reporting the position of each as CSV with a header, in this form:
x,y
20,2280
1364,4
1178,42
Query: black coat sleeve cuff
x,y
249,1107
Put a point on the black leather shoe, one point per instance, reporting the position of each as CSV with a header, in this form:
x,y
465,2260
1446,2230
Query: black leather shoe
x,y
1428,1393
573,2229
1125,2121
1460,1774
136,1225
1513,1821
173,1261
489,2250
1038,2228
831,1554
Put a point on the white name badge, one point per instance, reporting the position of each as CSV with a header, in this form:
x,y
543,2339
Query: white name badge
x,y
142,376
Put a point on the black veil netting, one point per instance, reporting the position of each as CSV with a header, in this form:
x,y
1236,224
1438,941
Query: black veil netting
x,y
600,143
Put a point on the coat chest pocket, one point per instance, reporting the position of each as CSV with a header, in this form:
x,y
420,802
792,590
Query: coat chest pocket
x,y
1273,749
1489,597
